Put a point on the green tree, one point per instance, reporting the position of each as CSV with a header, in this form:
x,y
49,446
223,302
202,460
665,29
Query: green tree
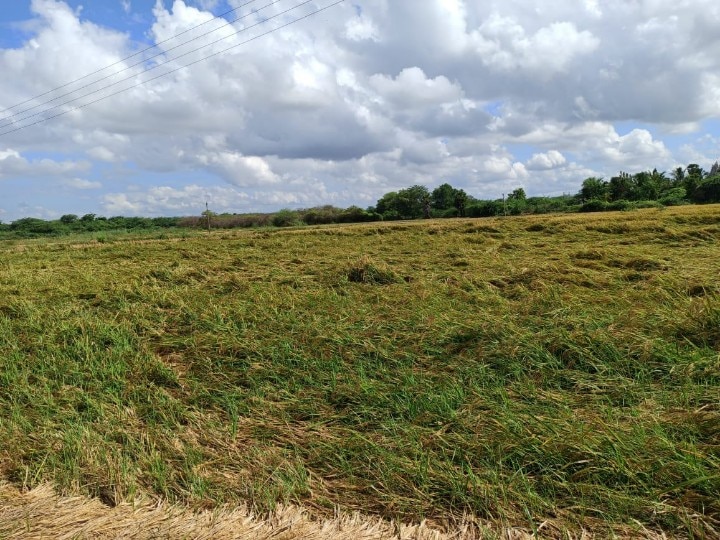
x,y
694,174
678,177
708,190
649,185
517,201
443,197
622,187
67,219
595,188
517,194
460,202
387,206
409,203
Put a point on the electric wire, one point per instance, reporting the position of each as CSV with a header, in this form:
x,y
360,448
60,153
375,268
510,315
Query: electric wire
x,y
13,118
151,47
217,53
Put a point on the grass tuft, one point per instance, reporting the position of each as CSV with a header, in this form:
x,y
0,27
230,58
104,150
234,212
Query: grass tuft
x,y
365,270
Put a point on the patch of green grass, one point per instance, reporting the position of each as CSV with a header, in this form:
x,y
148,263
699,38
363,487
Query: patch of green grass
x,y
521,369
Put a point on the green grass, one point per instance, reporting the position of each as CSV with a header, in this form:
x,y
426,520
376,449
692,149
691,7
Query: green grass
x,y
562,368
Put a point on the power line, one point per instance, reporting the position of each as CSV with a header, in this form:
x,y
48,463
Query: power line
x,y
177,69
129,57
13,118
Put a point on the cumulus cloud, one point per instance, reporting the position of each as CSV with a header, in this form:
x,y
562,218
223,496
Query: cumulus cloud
x,y
636,147
81,183
13,164
502,43
167,200
340,108
242,171
546,161
412,88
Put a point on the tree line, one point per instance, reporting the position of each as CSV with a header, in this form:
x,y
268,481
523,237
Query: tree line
x,y
646,189
70,223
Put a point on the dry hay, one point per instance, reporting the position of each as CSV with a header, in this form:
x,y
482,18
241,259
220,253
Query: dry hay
x,y
41,513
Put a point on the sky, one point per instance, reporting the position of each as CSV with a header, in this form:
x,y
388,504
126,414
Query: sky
x,y
254,112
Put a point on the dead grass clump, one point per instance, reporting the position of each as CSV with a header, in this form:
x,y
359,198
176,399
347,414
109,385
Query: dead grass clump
x,y
644,265
482,229
367,271
698,219
41,514
590,255
703,325
702,289
611,228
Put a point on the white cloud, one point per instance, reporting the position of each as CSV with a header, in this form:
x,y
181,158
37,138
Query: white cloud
x,y
412,88
101,153
14,165
80,183
242,171
189,200
361,29
503,43
342,107
544,161
636,147
504,168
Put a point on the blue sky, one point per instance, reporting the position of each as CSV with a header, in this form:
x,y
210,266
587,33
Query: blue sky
x,y
341,107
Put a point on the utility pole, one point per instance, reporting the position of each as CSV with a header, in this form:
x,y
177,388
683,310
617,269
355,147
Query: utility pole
x,y
504,205
207,215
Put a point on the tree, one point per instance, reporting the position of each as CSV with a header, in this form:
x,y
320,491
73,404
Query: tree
x,y
622,187
427,203
409,203
387,205
517,201
460,202
645,189
694,175
678,177
67,219
413,201
443,197
517,195
708,190
594,188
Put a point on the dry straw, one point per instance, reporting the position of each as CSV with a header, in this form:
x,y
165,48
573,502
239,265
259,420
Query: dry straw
x,y
42,514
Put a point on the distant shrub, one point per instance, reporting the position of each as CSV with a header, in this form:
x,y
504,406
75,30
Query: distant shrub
x,y
594,205
484,209
355,214
285,218
622,204
647,204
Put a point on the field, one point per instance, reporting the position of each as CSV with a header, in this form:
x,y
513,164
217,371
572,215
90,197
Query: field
x,y
557,372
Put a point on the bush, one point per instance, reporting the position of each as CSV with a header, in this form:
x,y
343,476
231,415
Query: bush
x,y
447,213
484,209
594,205
647,204
285,218
622,204
355,214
